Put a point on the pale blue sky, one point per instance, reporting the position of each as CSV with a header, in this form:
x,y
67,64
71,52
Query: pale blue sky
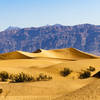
x,y
30,13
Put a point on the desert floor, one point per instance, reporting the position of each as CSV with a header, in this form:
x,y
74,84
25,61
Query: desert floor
x,y
51,62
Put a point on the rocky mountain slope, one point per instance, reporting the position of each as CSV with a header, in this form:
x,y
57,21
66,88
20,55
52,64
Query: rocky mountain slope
x,y
85,37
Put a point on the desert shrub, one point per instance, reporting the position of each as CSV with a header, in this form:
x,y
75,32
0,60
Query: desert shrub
x,y
65,72
49,77
4,75
43,77
1,90
85,74
91,69
21,77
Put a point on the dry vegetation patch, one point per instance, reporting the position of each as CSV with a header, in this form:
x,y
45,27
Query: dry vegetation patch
x,y
4,75
85,74
65,72
43,77
91,69
22,77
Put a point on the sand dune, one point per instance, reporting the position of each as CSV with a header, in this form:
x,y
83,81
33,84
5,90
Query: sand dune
x,y
16,55
50,62
67,53
89,92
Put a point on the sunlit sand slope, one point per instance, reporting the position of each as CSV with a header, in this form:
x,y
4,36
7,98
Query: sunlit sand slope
x,y
88,92
50,62
67,53
15,55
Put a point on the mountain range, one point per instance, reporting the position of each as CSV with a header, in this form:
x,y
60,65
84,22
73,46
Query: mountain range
x,y
85,37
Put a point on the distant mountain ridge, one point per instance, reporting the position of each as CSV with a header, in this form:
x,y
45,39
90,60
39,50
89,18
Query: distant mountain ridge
x,y
85,37
12,28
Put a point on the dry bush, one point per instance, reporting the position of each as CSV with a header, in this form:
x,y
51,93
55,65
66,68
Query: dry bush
x,y
4,75
21,77
91,69
1,90
43,77
65,72
85,74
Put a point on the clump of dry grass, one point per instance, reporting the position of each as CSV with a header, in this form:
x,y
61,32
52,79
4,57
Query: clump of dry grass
x,y
22,77
4,76
1,90
85,74
43,77
65,72
91,69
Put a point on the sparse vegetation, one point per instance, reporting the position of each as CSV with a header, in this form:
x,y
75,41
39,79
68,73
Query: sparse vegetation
x,y
22,77
85,74
1,91
65,72
43,77
4,75
91,69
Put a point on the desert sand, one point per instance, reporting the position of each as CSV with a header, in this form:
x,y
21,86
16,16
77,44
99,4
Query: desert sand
x,y
51,62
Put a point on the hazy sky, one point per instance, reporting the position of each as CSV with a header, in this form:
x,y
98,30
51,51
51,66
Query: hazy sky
x,y
29,13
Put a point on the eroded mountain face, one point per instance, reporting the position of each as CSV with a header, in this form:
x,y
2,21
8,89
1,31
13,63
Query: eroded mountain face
x,y
85,37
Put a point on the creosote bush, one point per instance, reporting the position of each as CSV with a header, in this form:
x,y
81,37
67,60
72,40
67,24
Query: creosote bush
x,y
21,77
91,69
43,77
1,90
4,75
65,72
85,74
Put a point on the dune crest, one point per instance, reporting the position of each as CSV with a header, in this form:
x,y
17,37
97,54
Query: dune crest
x,y
66,53
14,55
